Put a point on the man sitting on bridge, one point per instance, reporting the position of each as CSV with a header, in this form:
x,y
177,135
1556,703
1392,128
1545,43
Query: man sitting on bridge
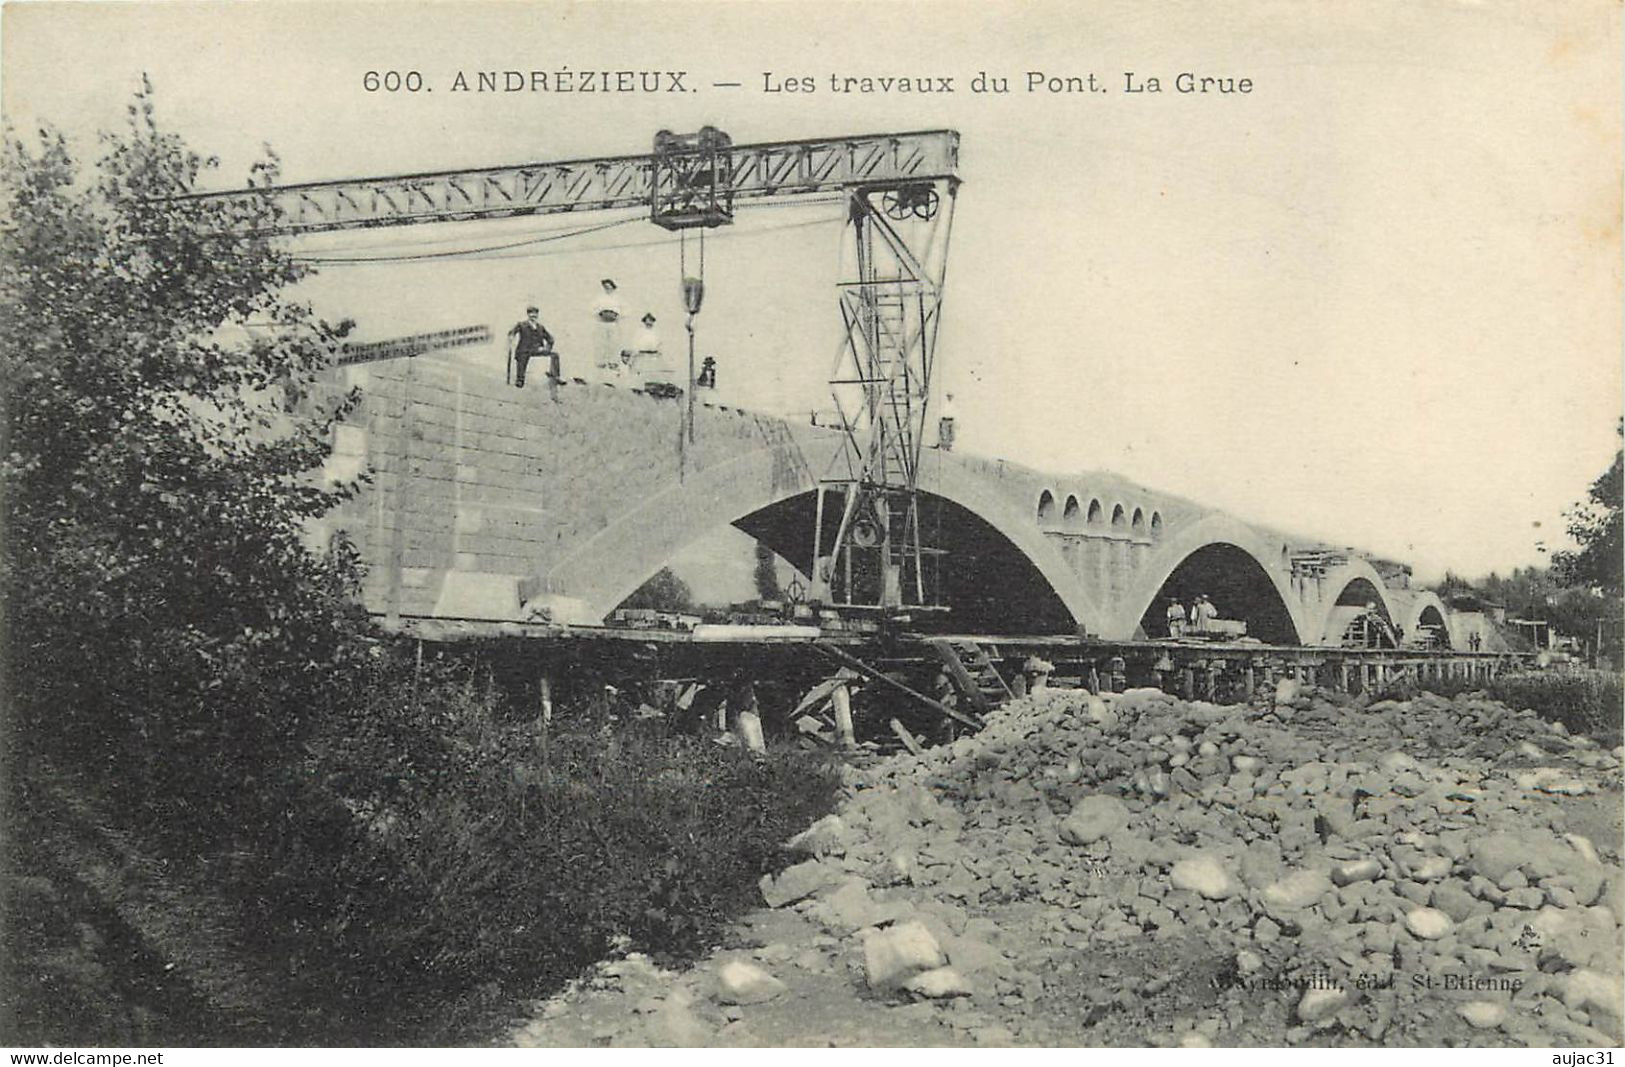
x,y
530,338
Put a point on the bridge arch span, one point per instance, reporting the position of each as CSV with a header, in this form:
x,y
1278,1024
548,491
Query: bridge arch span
x,y
1222,545
609,566
1422,607
1357,583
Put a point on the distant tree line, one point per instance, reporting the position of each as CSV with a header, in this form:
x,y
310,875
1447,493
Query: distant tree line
x,y
1582,593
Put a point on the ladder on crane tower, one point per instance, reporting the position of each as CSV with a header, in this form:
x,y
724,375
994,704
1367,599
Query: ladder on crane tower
x,y
867,549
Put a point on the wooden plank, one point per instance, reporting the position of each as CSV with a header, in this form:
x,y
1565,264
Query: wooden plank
x,y
842,656
989,653
907,738
949,655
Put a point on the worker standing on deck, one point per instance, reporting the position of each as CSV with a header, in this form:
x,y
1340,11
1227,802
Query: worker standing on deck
x,y
648,362
527,339
1206,612
1196,617
606,313
1176,618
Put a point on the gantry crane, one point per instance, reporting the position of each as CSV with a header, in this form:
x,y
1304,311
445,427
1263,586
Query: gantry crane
x,y
899,190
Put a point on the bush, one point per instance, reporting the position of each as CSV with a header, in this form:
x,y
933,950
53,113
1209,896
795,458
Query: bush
x,y
495,862
1585,701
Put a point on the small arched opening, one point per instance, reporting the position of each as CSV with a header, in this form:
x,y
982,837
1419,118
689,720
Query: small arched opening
x,y
1433,632
1360,618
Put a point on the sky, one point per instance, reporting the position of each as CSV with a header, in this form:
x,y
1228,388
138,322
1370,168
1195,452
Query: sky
x,y
1374,301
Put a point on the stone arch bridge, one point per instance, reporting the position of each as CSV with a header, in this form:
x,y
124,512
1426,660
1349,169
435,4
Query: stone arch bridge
x,y
488,503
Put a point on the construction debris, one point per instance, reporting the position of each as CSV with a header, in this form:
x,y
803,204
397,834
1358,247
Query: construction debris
x,y
1136,869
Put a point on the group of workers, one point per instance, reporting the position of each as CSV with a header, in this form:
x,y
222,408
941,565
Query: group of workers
x,y
1196,621
642,362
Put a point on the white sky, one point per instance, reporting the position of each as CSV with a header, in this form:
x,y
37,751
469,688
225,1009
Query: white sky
x,y
1376,301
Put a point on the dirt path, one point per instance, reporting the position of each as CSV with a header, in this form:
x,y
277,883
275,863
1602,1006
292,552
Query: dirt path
x,y
1137,870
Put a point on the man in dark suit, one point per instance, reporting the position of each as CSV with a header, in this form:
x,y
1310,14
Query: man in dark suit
x,y
527,339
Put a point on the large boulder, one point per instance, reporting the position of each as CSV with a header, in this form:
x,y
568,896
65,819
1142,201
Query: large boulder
x,y
740,982
1496,855
937,983
848,907
1594,992
1093,818
1428,924
1483,1014
1318,1005
825,837
1300,889
1205,875
1455,901
894,955
799,882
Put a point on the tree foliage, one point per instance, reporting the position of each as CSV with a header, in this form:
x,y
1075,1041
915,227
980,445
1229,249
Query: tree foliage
x,y
159,449
766,574
1595,526
170,641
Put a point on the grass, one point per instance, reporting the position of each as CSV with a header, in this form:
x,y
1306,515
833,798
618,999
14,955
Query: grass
x,y
1588,702
444,863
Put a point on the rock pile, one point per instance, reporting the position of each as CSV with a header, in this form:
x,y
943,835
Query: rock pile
x,y
1398,872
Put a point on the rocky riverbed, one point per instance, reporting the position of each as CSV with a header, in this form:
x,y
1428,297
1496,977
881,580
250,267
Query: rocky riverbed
x,y
1133,869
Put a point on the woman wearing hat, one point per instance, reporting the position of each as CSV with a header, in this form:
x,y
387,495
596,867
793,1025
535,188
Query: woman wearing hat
x,y
648,361
606,313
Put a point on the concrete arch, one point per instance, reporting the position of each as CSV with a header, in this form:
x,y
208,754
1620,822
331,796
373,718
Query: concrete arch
x,y
1156,524
1421,606
1137,523
1119,516
1167,556
609,566
1334,619
1069,514
1095,513
1046,506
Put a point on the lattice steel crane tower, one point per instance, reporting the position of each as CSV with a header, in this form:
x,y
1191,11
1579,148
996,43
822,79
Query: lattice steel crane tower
x,y
899,188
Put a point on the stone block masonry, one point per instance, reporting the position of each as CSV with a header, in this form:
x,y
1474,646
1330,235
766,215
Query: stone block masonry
x,y
477,488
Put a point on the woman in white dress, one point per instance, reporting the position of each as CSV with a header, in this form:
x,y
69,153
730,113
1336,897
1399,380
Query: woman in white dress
x,y
649,366
606,313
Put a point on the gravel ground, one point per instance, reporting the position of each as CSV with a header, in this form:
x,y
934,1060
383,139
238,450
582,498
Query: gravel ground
x,y
1133,869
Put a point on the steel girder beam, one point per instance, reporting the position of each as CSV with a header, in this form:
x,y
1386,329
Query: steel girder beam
x,y
757,171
